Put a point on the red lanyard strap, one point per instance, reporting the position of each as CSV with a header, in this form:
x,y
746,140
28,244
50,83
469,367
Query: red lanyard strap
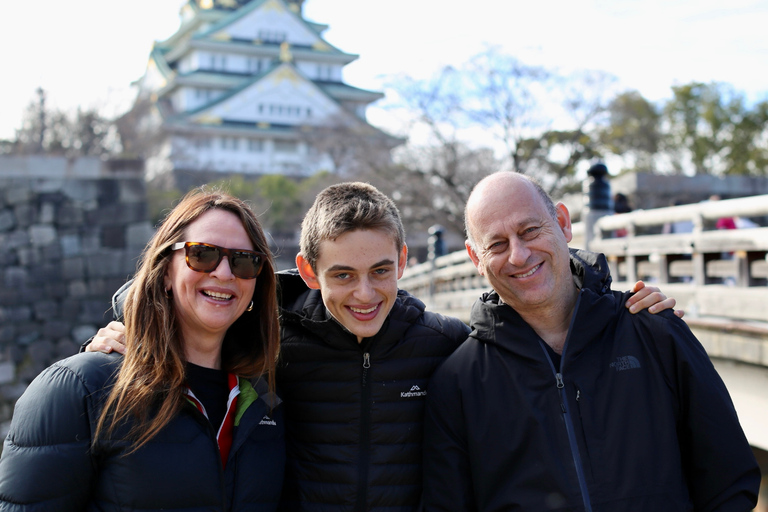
x,y
227,427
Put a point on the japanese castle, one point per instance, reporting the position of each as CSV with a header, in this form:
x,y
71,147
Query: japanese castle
x,y
250,87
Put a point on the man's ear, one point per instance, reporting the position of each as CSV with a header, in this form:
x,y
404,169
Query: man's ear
x,y
402,261
473,256
306,272
564,220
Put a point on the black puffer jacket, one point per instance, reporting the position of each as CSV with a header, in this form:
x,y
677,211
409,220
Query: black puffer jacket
x,y
635,417
47,465
354,411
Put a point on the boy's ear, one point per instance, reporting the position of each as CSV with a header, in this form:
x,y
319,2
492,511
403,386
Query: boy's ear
x,y
306,272
402,261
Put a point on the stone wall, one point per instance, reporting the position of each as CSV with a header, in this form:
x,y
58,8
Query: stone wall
x,y
71,232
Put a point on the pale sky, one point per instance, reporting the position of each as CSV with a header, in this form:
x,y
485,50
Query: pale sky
x,y
87,52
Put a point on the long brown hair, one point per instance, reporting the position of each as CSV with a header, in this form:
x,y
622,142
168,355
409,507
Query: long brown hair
x,y
149,388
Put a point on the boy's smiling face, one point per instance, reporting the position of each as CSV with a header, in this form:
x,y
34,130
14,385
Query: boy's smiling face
x,y
357,277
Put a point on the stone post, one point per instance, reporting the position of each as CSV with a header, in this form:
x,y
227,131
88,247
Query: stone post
x,y
598,192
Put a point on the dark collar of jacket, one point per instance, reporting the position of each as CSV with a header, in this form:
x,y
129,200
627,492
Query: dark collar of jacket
x,y
302,306
496,323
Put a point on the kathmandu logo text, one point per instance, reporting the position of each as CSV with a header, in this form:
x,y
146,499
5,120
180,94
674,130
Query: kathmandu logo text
x,y
625,363
414,392
266,420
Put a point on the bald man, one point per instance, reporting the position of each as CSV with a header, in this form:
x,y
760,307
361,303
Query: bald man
x,y
562,400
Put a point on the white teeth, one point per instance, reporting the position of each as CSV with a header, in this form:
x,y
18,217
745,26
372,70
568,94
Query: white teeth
x,y
530,272
217,295
364,311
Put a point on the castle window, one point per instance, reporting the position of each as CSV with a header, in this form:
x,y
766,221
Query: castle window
x,y
202,143
230,143
272,36
217,62
253,65
286,146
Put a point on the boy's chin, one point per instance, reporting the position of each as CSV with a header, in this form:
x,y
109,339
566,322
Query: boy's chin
x,y
365,329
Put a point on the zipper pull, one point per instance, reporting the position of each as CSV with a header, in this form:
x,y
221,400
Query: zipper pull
x,y
560,385
366,360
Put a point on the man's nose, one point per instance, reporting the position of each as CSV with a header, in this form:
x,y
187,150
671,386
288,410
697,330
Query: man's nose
x,y
518,252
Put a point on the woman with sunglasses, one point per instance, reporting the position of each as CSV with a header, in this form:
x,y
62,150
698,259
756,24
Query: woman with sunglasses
x,y
188,419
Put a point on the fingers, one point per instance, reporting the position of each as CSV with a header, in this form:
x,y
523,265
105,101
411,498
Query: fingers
x,y
653,301
641,294
116,326
108,339
652,298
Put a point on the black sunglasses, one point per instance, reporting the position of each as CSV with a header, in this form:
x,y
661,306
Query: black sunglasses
x,y
206,258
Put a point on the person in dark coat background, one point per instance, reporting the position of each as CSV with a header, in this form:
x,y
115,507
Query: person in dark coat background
x,y
560,399
188,420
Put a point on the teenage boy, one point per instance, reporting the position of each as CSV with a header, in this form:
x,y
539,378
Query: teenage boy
x,y
356,357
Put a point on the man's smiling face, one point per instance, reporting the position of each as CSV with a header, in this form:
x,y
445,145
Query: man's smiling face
x,y
357,277
518,244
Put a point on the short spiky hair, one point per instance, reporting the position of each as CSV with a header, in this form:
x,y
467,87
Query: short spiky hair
x,y
346,207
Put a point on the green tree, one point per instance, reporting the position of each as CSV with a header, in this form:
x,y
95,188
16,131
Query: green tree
x,y
633,131
553,158
747,146
281,196
712,127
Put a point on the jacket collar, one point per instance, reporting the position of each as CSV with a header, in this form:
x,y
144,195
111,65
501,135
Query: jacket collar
x,y
300,305
496,323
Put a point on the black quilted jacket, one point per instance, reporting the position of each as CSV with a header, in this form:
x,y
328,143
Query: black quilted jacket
x,y
354,411
48,463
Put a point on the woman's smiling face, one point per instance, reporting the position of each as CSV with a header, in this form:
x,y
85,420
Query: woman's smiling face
x,y
207,304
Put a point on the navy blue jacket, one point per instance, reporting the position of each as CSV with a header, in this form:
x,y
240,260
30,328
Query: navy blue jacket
x,y
48,464
354,411
635,417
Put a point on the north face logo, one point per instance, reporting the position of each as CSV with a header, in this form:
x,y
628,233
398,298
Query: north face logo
x,y
625,363
414,392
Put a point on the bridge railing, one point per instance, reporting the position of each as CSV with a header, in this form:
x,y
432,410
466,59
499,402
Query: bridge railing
x,y
702,256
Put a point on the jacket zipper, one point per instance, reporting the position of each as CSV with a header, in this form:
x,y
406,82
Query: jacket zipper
x,y
567,417
572,442
365,437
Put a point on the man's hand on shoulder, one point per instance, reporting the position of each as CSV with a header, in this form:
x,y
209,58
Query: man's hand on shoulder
x,y
108,339
651,298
